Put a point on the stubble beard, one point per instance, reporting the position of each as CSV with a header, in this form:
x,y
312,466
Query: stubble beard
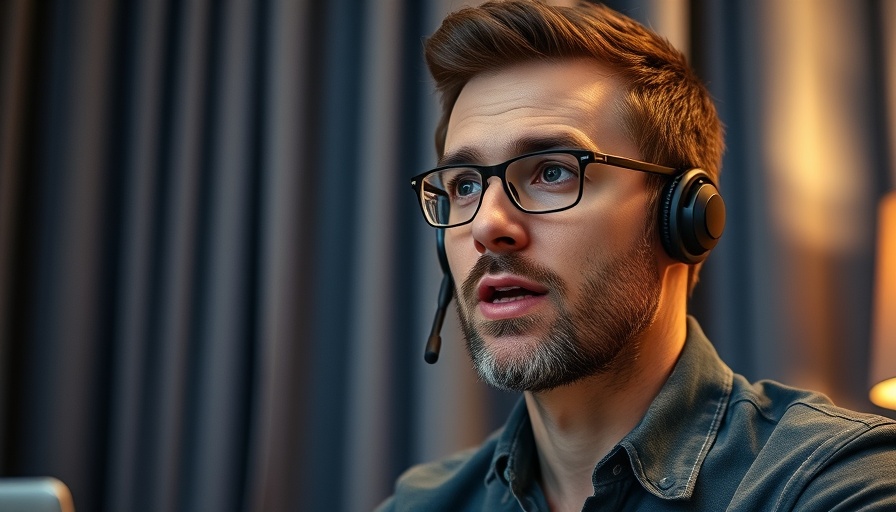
x,y
597,334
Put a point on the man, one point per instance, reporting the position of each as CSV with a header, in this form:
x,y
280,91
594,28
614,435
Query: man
x,y
573,271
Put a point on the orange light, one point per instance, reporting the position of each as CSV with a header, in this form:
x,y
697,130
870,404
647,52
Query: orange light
x,y
884,393
883,350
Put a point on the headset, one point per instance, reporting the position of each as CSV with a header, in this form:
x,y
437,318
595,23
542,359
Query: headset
x,y
692,219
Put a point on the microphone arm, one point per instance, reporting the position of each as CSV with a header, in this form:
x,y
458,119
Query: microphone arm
x,y
434,343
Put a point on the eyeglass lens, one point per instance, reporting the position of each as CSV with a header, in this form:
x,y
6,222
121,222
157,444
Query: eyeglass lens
x,y
535,183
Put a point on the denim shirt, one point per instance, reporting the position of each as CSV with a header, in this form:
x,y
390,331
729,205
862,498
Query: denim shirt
x,y
709,441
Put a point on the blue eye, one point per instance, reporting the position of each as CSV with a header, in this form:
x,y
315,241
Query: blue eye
x,y
464,188
467,187
552,174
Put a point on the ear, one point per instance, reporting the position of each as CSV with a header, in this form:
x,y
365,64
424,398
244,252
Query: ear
x,y
692,216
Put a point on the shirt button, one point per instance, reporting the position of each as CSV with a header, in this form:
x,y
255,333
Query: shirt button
x,y
617,469
665,483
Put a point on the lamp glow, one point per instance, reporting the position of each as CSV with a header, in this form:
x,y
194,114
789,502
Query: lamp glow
x,y
883,350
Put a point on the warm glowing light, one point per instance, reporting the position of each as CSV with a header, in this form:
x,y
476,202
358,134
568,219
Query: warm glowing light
x,y
883,355
884,394
808,121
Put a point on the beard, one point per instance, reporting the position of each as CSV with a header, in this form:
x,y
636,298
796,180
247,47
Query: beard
x,y
597,334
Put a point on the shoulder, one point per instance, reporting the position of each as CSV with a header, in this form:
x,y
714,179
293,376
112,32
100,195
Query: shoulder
x,y
781,410
814,454
468,464
440,483
777,402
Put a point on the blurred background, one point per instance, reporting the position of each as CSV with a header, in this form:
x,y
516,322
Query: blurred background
x,y
215,284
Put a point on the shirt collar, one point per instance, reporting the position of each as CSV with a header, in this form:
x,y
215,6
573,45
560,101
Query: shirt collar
x,y
666,449
669,445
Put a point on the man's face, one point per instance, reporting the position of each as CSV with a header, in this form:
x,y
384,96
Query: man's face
x,y
546,300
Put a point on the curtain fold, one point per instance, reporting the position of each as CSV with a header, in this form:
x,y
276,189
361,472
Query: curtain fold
x,y
215,284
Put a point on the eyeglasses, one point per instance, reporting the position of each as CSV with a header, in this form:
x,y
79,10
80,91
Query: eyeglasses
x,y
542,182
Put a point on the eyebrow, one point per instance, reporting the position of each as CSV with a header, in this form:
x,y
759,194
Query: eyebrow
x,y
471,155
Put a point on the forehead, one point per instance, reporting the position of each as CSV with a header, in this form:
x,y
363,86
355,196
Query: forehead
x,y
567,99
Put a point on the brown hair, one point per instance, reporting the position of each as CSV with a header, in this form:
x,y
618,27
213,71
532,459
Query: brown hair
x,y
667,112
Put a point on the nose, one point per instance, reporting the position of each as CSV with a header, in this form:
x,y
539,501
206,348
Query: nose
x,y
499,226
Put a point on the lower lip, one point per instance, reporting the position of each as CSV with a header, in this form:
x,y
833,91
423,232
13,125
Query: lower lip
x,y
512,309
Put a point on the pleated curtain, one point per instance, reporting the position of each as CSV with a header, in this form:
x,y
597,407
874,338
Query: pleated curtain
x,y
215,284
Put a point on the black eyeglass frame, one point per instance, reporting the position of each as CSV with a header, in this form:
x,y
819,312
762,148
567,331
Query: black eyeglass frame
x,y
583,156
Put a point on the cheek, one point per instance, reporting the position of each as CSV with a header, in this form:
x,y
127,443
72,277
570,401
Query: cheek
x,y
596,232
458,248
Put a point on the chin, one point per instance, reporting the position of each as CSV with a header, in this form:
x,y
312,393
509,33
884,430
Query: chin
x,y
511,349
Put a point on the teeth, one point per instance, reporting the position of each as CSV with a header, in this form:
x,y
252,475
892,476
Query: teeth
x,y
505,294
509,299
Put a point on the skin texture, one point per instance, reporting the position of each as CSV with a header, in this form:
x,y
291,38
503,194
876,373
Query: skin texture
x,y
598,269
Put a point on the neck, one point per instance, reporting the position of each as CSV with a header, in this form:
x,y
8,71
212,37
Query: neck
x,y
575,426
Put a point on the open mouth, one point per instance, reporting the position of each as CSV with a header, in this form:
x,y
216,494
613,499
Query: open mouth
x,y
509,294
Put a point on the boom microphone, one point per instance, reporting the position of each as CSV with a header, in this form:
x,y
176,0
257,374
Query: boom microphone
x,y
434,343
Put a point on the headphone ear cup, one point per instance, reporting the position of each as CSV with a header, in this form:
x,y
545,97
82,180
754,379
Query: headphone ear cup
x,y
670,242
692,216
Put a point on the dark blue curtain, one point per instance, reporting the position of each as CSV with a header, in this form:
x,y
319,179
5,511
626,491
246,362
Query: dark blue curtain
x,y
215,285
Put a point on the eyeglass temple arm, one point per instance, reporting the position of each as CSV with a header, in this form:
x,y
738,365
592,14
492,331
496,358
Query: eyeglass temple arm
x,y
638,165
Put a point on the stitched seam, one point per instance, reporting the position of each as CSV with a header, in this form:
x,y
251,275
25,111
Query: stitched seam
x,y
717,418
785,492
868,420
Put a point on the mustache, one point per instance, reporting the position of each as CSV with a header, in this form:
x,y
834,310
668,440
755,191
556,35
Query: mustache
x,y
511,264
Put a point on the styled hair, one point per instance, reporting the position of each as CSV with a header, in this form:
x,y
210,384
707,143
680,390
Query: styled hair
x,y
666,110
